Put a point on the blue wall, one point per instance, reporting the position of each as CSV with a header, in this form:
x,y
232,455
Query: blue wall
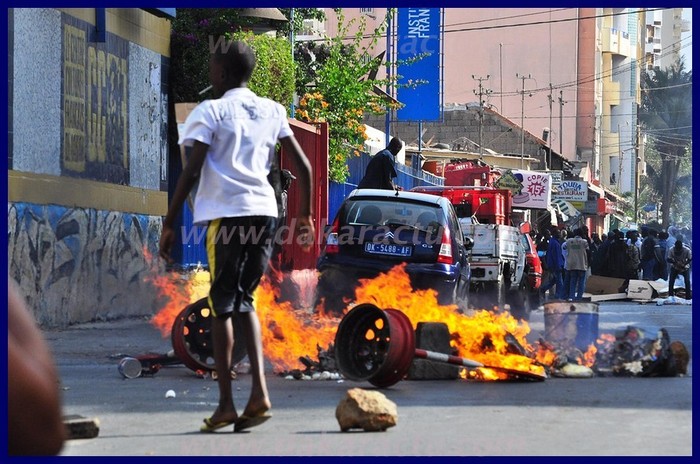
x,y
408,178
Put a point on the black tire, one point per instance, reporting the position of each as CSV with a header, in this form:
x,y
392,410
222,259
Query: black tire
x,y
191,337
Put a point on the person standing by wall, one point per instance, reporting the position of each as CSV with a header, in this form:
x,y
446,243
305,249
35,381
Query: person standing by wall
x,y
576,265
634,260
380,171
233,141
617,256
679,257
660,252
555,265
648,257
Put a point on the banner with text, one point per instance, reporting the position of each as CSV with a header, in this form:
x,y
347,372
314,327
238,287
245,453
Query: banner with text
x,y
419,33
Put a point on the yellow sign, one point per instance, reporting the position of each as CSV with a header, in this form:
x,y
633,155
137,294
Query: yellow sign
x,y
509,181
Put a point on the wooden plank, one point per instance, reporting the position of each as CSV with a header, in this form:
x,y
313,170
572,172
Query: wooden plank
x,y
607,297
78,427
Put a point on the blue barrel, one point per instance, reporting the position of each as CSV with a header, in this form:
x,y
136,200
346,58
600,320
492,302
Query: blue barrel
x,y
571,323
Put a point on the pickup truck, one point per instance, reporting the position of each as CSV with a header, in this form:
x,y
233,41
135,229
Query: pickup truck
x,y
497,261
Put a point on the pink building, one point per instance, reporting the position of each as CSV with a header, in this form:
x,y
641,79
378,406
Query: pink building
x,y
510,49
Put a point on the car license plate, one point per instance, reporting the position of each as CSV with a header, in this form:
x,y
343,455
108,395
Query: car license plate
x,y
388,249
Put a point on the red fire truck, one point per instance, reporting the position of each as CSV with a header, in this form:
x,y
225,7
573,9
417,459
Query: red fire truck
x,y
504,257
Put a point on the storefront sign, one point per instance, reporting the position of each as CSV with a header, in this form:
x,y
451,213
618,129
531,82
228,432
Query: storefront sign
x,y
573,191
557,177
536,191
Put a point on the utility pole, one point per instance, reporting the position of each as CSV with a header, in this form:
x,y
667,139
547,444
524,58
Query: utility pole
x,y
500,73
636,175
548,158
561,121
522,119
481,94
619,160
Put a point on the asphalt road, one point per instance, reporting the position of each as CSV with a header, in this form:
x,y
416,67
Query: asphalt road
x,y
558,417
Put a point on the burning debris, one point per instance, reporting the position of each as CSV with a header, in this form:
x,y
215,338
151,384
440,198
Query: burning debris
x,y
630,353
323,369
491,338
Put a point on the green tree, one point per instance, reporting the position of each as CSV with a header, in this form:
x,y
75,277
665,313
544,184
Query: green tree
x,y
651,186
666,118
195,30
341,93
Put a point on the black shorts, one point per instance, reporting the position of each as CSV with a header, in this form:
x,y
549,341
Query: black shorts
x,y
239,250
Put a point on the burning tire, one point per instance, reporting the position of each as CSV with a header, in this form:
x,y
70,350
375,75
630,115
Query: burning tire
x,y
191,337
375,345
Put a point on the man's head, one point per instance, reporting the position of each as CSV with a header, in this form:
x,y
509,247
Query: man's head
x,y
395,146
231,67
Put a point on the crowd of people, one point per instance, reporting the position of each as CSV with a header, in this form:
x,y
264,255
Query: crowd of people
x,y
570,256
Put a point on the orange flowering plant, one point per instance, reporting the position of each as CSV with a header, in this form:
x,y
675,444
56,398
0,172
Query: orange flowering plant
x,y
342,95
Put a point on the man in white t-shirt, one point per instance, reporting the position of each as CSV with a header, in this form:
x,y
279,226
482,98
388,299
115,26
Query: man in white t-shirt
x,y
233,140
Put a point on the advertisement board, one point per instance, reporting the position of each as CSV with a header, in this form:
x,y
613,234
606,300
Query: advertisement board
x,y
531,189
572,190
418,39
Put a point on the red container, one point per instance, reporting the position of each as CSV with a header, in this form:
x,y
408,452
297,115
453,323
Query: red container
x,y
489,205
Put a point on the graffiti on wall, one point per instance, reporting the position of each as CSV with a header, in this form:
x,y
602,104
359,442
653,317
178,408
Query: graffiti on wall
x,y
79,265
95,112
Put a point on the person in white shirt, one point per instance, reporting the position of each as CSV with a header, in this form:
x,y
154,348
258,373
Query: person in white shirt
x,y
233,140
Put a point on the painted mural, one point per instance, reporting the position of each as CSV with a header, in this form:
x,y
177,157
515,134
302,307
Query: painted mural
x,y
80,265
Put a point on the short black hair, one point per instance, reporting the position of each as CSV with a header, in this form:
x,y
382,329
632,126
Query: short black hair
x,y
395,145
238,60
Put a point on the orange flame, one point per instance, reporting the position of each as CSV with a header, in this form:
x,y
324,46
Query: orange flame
x,y
176,291
589,356
289,332
481,335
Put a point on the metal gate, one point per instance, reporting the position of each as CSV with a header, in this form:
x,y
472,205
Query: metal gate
x,y
313,139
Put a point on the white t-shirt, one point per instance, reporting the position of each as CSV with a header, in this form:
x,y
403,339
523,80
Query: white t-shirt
x,y
241,130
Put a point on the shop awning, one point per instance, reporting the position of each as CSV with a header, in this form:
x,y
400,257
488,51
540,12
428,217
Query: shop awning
x,y
597,190
565,209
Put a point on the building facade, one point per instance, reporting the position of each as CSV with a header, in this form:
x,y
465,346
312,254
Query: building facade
x,y
87,159
570,76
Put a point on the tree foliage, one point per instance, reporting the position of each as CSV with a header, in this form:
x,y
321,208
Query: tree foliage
x,y
666,118
195,30
334,88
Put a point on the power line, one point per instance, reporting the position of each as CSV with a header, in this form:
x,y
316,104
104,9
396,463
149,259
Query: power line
x,y
537,23
552,21
508,17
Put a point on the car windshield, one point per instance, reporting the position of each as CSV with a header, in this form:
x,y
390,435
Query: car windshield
x,y
375,212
